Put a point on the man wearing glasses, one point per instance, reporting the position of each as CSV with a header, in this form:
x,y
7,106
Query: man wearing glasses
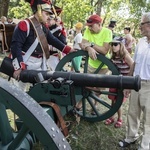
x,y
139,101
96,40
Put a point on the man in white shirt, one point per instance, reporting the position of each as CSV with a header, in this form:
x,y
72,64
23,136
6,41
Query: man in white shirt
x,y
140,101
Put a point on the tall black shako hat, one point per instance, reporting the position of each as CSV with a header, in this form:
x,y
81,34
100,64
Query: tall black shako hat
x,y
43,4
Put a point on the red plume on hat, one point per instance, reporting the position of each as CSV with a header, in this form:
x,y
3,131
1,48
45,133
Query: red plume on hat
x,y
45,5
57,9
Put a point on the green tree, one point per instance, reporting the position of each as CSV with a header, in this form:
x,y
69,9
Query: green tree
x,y
74,11
21,11
125,12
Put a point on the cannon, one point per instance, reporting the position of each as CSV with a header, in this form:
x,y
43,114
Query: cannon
x,y
62,89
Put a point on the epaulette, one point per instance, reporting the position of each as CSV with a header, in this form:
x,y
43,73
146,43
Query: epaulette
x,y
23,26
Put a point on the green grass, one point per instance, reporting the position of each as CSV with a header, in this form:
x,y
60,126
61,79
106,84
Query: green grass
x,y
97,136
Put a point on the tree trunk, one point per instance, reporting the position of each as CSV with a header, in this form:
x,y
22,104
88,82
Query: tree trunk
x,y
4,4
99,7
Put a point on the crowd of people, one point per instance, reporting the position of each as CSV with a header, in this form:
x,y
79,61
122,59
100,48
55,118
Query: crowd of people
x,y
28,52
6,20
97,39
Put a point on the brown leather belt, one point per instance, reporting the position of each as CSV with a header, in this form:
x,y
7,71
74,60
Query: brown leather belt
x,y
37,56
34,55
60,121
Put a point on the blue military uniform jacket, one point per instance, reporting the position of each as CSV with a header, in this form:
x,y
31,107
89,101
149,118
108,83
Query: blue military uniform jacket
x,y
21,41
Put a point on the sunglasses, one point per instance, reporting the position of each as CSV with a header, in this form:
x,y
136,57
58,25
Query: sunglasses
x,y
114,44
142,23
89,21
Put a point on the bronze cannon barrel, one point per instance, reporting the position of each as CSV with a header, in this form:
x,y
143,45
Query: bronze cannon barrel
x,y
84,79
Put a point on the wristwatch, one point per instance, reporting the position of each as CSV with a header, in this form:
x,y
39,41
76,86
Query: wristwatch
x,y
92,44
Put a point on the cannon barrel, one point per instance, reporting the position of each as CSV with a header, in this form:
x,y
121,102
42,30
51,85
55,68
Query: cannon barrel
x,y
84,79
80,79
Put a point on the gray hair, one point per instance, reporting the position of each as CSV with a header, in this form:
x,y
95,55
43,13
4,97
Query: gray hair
x,y
146,16
4,18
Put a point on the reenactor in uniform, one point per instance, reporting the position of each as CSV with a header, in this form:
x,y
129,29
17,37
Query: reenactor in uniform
x,y
58,30
56,27
26,52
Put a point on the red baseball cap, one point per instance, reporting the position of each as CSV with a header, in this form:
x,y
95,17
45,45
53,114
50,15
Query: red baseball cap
x,y
93,19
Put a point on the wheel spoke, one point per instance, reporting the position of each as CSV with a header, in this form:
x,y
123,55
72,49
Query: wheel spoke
x,y
84,106
19,138
100,101
93,106
99,68
86,64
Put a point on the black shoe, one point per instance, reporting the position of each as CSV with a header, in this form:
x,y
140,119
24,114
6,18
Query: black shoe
x,y
124,144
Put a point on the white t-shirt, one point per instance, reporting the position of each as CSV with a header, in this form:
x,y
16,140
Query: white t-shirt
x,y
142,59
77,40
128,37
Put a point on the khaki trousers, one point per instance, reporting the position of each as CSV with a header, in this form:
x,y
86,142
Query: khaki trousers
x,y
139,102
